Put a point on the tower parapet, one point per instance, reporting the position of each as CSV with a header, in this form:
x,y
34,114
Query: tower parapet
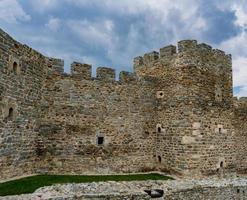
x,y
189,53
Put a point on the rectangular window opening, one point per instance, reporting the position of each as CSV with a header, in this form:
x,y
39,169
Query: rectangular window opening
x,y
100,140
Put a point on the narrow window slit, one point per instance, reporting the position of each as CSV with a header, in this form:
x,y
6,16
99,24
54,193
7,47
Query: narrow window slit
x,y
15,66
159,159
159,129
11,114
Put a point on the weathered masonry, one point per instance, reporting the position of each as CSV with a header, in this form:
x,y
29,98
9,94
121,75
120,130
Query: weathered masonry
x,y
175,113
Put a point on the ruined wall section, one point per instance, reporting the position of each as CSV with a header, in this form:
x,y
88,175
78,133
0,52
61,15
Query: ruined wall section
x,y
77,110
22,72
240,123
194,129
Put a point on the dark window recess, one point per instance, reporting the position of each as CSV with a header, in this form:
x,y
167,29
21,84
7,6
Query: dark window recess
x,y
11,113
220,130
159,159
221,164
16,46
100,140
159,129
15,65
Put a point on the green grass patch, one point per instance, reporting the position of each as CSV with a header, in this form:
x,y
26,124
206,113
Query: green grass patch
x,y
30,184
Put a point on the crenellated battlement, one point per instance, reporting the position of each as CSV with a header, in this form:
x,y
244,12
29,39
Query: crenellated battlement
x,y
83,71
187,53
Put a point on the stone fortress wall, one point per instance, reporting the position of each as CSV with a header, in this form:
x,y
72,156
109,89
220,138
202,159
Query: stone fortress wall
x,y
77,110
240,124
175,113
22,73
194,107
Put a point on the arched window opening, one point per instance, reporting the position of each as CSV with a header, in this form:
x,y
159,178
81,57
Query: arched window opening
x,y
11,114
15,66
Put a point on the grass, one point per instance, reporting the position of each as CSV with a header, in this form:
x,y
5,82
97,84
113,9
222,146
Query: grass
x,y
30,184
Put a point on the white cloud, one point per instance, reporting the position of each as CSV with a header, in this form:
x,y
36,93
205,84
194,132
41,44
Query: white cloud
x,y
237,46
155,24
97,34
44,5
241,15
240,72
53,24
12,12
157,12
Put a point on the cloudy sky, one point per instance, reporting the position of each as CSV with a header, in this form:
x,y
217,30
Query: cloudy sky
x,y
112,32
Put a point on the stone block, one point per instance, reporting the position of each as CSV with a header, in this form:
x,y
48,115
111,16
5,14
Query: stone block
x,y
196,125
188,140
196,132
